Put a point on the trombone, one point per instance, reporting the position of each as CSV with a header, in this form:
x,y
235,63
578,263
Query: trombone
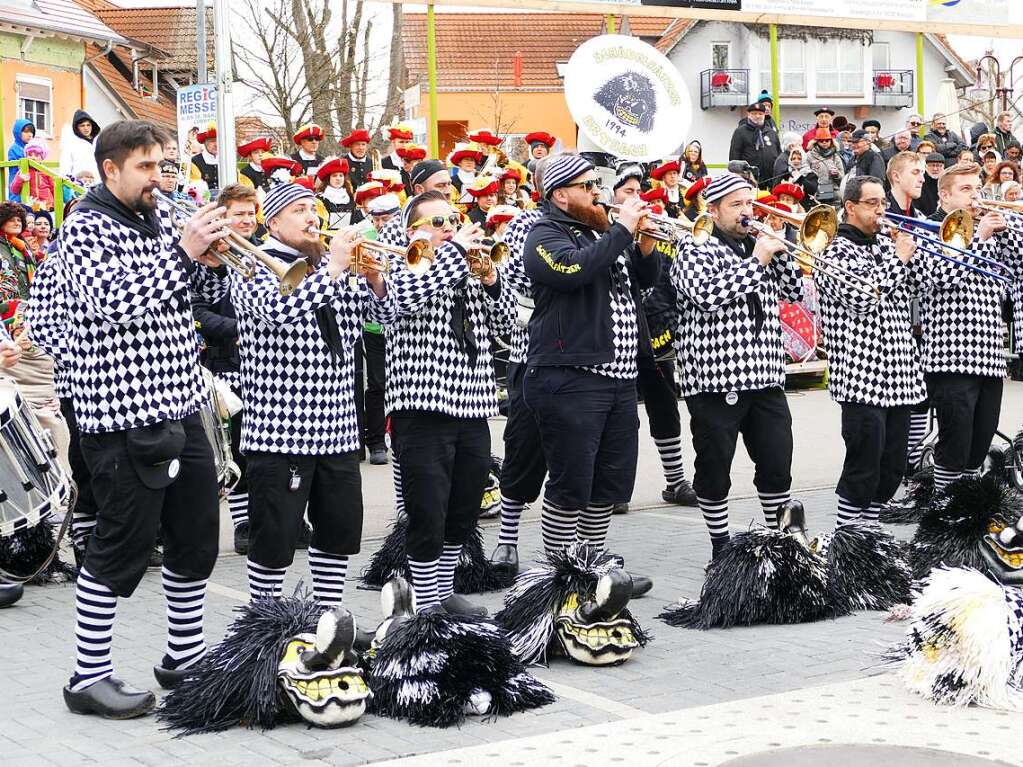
x,y
374,256
1012,210
817,228
242,255
668,229
950,235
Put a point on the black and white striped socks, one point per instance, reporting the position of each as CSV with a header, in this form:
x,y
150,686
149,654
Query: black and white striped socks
x,y
848,512
329,572
424,582
943,476
82,525
446,570
593,524
186,599
670,452
511,516
238,505
95,608
265,581
917,432
558,526
715,515
872,514
399,496
770,503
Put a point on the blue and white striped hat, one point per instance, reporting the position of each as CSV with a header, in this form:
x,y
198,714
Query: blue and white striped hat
x,y
724,185
561,169
281,196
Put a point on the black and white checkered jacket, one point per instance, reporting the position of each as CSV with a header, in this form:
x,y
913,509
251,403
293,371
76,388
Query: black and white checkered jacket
x,y
515,278
719,346
47,316
131,333
427,366
872,356
964,330
299,398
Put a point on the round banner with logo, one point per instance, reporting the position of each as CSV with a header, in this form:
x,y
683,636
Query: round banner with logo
x,y
627,98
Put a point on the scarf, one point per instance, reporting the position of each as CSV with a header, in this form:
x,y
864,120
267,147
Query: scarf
x,y
853,234
336,195
744,249
102,200
461,325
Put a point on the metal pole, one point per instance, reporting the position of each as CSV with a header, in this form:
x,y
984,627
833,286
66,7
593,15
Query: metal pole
x,y
920,80
227,156
775,86
202,74
431,71
611,23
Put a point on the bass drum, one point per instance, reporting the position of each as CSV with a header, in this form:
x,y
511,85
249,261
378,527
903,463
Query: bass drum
x,y
32,482
216,420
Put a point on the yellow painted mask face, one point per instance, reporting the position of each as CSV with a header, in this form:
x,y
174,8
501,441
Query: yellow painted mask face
x,y
604,643
1002,549
332,697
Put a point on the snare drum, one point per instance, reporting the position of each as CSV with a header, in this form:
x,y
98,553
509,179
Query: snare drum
x,y
215,422
32,483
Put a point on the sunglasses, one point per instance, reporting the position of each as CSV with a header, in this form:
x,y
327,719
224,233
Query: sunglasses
x,y
914,125
438,221
589,186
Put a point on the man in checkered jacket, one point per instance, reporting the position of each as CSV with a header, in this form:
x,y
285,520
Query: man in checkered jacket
x,y
963,349
584,340
440,392
873,360
300,432
126,275
730,354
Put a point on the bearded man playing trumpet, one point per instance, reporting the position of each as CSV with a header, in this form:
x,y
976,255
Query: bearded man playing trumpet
x,y
300,431
441,390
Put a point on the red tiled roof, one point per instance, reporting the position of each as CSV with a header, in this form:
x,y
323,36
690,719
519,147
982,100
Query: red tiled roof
x,y
162,111
476,51
62,16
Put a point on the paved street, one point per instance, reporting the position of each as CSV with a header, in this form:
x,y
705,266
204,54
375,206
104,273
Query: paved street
x,y
689,698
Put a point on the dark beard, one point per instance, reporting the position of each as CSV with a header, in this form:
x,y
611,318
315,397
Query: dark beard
x,y
593,216
141,206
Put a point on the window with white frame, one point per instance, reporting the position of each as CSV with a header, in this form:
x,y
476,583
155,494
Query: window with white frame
x,y
881,55
791,68
839,68
35,101
719,55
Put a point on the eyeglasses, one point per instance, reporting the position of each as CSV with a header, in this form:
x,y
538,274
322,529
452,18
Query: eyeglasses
x,y
438,221
914,125
873,202
589,186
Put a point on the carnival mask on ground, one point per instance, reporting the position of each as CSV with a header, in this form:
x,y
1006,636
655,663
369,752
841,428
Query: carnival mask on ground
x,y
594,633
318,673
1002,549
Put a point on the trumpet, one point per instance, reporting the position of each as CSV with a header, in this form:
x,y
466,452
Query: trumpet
x,y
242,255
668,229
484,258
817,228
374,256
949,236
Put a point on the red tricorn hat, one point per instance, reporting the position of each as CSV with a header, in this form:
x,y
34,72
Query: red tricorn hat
x,y
412,152
306,181
540,137
262,144
465,150
660,170
696,188
400,131
499,214
203,136
270,164
791,190
329,168
511,172
368,191
486,136
483,185
660,194
359,134
309,130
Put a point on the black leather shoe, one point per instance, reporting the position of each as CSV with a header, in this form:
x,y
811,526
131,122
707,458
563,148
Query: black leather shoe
x,y
10,593
683,495
505,559
378,456
111,699
305,536
169,678
620,508
641,585
241,538
155,558
456,604
717,546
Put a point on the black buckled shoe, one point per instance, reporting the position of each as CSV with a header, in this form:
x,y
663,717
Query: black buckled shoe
x,y
111,699
505,559
456,604
681,495
641,585
10,593
241,538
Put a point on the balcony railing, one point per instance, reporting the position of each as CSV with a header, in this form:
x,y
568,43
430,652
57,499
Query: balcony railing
x,y
893,87
724,88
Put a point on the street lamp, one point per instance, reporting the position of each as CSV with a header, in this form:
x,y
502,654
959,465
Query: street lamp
x,y
1001,91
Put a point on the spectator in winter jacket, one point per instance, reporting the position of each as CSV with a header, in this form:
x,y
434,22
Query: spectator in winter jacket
x,y
797,171
945,141
933,167
825,162
693,166
40,185
901,142
23,131
866,162
824,115
756,143
76,150
1003,132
